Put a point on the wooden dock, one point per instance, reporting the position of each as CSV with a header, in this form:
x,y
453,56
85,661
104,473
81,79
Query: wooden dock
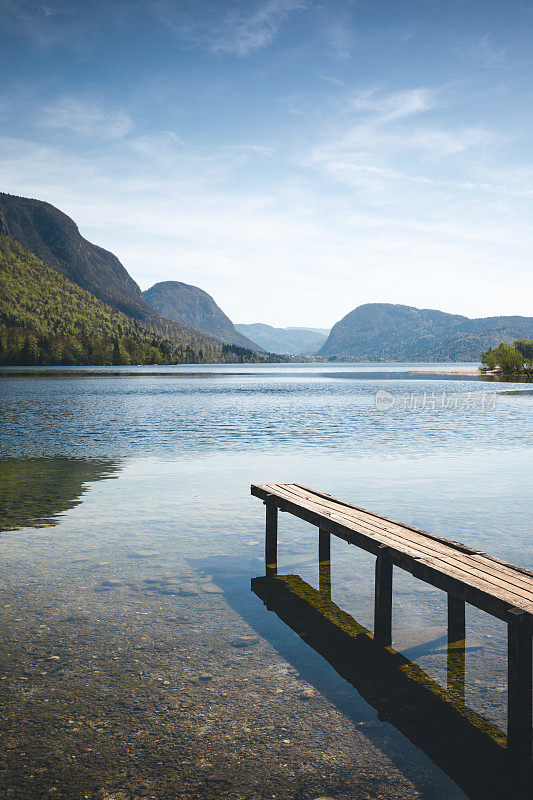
x,y
466,575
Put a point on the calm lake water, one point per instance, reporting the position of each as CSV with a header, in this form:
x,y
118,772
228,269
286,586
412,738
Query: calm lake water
x,y
130,538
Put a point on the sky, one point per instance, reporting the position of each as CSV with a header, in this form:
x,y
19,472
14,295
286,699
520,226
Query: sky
x,y
294,158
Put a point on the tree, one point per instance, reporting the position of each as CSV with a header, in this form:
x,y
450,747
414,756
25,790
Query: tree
x,y
506,357
489,360
525,347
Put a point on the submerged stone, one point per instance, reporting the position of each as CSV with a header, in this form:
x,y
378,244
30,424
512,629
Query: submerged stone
x,y
245,641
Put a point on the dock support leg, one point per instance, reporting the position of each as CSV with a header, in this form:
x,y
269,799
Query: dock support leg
x,y
324,563
383,598
456,649
519,714
271,538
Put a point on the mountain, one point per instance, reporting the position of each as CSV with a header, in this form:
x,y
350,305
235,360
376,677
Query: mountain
x,y
386,332
54,238
46,318
293,341
192,306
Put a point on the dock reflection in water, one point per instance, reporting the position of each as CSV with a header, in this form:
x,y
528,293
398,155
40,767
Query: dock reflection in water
x,y
467,747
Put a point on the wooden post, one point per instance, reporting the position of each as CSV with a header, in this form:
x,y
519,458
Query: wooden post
x,y
383,598
519,714
324,563
271,538
456,649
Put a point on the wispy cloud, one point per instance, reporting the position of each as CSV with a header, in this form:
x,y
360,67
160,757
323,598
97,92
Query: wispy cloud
x,y
341,38
377,140
87,118
187,217
234,27
44,24
482,50
392,106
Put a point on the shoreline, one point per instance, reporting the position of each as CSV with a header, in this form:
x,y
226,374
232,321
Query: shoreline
x,y
449,372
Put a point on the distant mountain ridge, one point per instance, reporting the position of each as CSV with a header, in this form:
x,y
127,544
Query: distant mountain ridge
x,y
192,306
289,341
389,332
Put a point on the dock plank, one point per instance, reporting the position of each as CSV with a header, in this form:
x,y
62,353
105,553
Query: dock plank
x,y
466,575
500,574
490,584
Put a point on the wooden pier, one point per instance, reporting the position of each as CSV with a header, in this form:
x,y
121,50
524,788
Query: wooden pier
x,y
467,576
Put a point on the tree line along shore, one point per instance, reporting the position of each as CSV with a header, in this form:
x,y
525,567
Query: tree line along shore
x,y
509,359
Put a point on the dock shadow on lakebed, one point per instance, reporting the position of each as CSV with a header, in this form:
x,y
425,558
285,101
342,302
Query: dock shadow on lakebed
x,y
466,746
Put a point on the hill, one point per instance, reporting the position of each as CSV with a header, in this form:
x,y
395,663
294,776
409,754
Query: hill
x,y
386,332
293,341
192,306
47,319
54,238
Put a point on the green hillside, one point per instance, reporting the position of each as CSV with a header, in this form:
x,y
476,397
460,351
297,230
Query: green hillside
x,y
47,319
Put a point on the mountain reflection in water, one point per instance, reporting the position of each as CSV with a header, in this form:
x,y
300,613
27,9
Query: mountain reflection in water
x,y
36,491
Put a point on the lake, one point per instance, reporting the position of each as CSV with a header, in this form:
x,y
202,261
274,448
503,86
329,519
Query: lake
x,y
136,662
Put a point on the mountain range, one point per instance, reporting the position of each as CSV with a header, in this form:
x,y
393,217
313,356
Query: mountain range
x,y
295,341
46,318
66,300
387,332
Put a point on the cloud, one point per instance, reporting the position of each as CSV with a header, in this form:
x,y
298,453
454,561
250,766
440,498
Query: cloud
x,y
482,50
163,146
45,25
303,251
86,118
239,29
396,105
341,38
236,27
382,142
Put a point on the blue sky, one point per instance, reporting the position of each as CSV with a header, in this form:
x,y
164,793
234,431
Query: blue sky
x,y
293,158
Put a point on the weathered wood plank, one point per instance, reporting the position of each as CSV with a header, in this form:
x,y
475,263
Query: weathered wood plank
x,y
507,593
472,587
467,575
459,545
500,573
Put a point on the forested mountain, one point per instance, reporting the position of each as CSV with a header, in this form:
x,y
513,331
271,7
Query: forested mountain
x,y
295,341
54,238
47,319
192,306
382,331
